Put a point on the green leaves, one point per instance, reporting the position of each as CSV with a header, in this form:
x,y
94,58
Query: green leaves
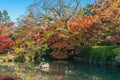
x,y
4,17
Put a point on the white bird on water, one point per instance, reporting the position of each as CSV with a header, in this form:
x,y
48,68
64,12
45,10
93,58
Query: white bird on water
x,y
43,65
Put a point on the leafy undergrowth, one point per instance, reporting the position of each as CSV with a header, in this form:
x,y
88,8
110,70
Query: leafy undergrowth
x,y
102,54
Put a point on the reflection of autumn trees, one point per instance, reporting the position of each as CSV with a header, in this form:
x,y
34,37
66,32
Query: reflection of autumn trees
x,y
58,68
61,70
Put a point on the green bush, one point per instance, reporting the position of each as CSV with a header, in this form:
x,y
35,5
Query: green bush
x,y
20,57
83,53
38,57
117,55
101,54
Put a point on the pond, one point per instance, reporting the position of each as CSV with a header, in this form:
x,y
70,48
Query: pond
x,y
60,70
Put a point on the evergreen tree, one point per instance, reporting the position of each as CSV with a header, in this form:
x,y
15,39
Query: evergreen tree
x,y
6,17
1,18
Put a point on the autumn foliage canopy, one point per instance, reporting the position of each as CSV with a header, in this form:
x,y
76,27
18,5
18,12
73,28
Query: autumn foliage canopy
x,y
62,33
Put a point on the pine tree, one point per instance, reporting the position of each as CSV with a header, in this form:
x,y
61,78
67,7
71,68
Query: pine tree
x,y
1,18
6,17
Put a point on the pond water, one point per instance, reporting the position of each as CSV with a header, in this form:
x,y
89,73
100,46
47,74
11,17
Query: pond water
x,y
60,70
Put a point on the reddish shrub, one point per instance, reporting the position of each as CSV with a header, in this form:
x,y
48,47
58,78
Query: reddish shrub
x,y
6,43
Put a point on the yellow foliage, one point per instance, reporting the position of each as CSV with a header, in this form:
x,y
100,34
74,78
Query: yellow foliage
x,y
18,49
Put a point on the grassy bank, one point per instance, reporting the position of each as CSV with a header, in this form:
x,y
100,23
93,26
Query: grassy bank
x,y
102,54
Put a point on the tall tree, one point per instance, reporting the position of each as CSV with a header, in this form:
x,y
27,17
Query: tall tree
x,y
6,17
1,17
52,10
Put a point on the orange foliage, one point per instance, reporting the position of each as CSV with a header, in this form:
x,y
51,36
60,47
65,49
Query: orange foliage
x,y
18,41
7,28
61,45
109,15
83,25
59,55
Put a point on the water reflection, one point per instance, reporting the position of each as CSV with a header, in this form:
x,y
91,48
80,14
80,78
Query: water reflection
x,y
61,70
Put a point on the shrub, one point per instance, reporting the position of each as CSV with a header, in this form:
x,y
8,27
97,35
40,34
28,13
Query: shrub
x,y
117,55
6,43
20,57
101,54
38,57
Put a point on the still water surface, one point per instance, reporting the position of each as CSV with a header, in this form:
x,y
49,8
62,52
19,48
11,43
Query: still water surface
x,y
61,70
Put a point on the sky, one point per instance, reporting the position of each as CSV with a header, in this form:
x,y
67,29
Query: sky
x,y
16,8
